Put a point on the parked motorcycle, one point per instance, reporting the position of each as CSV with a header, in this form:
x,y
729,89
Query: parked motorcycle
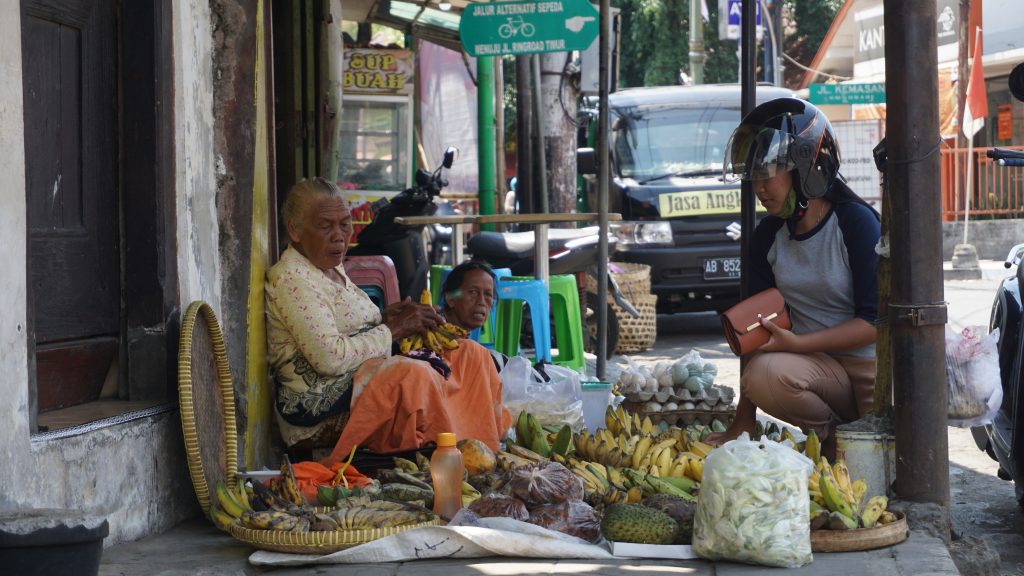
x,y
404,244
571,251
1003,439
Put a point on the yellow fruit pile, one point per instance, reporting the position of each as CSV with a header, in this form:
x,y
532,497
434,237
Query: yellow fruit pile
x,y
838,504
441,339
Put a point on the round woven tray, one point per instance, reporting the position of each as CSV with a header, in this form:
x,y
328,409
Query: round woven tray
x,y
861,538
206,399
315,542
637,334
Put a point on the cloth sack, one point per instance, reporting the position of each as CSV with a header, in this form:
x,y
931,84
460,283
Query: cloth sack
x,y
742,322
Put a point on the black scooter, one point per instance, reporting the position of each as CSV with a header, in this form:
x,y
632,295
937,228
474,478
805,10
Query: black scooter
x,y
404,244
570,251
1003,439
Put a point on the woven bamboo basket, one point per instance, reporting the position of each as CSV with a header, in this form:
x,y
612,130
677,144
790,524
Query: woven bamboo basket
x,y
634,279
637,334
860,538
206,400
315,542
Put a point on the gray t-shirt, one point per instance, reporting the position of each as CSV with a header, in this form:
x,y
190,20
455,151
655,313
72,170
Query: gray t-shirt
x,y
827,275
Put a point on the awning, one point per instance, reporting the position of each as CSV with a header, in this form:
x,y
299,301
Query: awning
x,y
423,20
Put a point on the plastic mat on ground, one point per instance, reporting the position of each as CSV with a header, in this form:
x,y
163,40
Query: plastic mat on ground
x,y
492,537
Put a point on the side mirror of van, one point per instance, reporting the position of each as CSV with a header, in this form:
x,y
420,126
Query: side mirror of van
x,y
586,161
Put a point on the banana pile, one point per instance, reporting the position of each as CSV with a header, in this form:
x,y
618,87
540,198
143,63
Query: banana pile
x,y
838,504
410,482
282,507
543,440
607,484
441,339
630,442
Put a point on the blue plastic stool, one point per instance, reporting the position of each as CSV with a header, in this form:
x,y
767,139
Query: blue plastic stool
x,y
511,294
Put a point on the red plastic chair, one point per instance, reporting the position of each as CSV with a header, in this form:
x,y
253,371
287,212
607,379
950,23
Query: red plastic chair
x,y
376,271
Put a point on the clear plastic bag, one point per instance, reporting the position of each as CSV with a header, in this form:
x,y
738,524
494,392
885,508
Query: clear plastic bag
x,y
752,506
558,401
572,517
972,376
544,483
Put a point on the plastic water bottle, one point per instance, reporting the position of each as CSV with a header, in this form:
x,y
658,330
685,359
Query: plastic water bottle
x,y
446,471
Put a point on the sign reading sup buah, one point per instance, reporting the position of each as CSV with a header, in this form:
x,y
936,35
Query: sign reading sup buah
x,y
527,27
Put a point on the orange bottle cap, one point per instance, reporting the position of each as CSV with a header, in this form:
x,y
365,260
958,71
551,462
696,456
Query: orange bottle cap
x,y
445,439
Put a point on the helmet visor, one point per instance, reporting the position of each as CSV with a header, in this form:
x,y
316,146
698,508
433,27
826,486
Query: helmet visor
x,y
756,153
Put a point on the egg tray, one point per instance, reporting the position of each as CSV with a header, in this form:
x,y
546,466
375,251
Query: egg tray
x,y
682,418
712,396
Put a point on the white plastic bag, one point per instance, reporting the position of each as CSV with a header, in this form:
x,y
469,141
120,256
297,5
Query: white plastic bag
x,y
972,375
559,401
753,503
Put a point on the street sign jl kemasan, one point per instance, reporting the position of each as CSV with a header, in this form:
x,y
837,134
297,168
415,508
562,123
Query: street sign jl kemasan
x,y
497,28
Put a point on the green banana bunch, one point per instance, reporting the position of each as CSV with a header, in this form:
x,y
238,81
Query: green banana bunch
x,y
228,500
835,501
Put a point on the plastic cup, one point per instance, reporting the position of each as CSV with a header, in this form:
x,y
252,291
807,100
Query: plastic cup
x,y
596,396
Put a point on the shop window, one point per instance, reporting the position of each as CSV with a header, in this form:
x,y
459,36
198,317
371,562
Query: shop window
x,y
376,143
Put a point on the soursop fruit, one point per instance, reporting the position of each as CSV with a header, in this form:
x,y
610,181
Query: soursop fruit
x,y
638,524
682,511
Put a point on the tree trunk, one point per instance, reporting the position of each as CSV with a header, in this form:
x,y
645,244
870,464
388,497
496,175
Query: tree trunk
x,y
558,113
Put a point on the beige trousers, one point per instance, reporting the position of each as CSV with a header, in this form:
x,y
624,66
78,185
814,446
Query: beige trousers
x,y
813,391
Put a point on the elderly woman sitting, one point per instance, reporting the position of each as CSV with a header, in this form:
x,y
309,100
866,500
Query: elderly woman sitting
x,y
330,347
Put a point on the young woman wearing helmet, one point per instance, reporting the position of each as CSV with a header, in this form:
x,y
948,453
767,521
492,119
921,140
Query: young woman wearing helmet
x,y
817,246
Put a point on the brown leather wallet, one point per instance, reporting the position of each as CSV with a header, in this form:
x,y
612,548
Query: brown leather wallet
x,y
742,322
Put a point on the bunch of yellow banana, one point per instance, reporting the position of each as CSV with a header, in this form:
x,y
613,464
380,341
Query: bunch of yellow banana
x,y
838,504
441,339
230,504
618,420
605,448
612,485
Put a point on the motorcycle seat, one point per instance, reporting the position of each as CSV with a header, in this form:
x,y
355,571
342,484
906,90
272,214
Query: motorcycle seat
x,y
509,245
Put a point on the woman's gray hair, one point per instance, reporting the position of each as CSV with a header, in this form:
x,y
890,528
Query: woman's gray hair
x,y
299,196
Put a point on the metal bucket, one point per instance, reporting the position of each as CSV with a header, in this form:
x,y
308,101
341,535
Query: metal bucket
x,y
869,455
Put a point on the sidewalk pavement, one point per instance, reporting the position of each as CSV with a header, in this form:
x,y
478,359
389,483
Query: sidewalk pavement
x,y
197,548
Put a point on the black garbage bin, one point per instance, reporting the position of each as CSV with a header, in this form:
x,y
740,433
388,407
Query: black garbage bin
x,y
51,542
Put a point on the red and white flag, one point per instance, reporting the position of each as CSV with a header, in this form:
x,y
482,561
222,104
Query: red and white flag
x,y
976,106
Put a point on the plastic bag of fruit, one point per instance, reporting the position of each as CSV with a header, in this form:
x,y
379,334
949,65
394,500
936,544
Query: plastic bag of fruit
x,y
753,503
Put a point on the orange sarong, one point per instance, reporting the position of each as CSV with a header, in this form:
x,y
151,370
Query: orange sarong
x,y
405,403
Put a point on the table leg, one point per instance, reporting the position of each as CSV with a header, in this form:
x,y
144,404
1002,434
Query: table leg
x,y
540,251
456,245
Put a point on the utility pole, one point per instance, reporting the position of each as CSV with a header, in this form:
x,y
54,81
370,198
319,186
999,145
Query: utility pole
x,y
696,43
917,312
525,174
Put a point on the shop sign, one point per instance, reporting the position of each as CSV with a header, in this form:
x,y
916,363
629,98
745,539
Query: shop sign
x,y
497,28
375,71
730,26
1005,122
870,42
863,93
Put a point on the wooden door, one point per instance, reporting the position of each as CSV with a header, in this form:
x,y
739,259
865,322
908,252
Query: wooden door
x,y
69,50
